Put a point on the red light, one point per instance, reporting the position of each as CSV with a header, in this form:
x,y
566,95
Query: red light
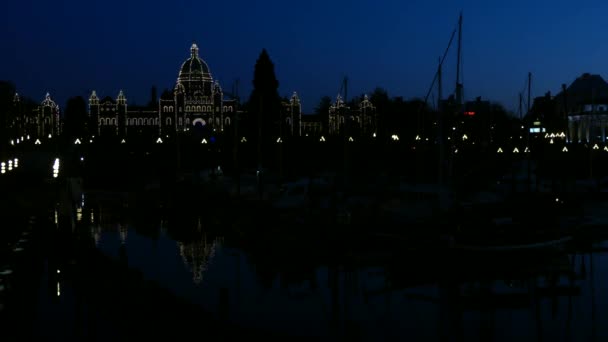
x,y
469,113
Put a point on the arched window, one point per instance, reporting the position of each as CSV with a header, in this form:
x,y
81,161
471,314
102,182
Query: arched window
x,y
180,121
218,122
199,108
140,121
187,108
209,109
168,121
165,109
230,108
171,109
156,121
224,109
288,120
114,121
227,121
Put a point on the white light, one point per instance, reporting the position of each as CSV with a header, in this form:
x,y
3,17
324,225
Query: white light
x,y
395,137
204,141
16,162
12,142
279,140
77,142
81,158
122,141
464,137
565,149
322,138
350,139
58,271
243,139
58,290
28,137
527,150
516,150
453,128
417,137
499,150
37,142
606,148
159,140
374,135
91,141
50,136
17,140
557,199
551,141
596,147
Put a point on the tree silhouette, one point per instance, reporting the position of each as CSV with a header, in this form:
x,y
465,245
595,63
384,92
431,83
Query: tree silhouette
x,y
153,98
7,91
379,98
75,118
264,102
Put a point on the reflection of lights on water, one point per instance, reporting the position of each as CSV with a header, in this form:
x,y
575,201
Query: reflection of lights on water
x,y
3,167
92,216
10,165
50,136
56,217
58,289
56,168
197,256
58,271
123,233
16,162
78,214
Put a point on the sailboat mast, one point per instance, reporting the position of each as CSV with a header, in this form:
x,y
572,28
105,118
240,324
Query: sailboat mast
x,y
529,88
458,62
440,136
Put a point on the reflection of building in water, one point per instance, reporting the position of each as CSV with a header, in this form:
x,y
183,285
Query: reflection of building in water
x,y
122,230
96,233
198,254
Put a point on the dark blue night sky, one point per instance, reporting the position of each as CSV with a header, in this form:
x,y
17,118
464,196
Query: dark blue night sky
x,y
72,47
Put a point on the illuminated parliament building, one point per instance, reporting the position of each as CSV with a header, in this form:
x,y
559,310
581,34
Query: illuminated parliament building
x,y
197,105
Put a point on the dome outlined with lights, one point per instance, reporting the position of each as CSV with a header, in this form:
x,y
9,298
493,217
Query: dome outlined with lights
x,y
194,73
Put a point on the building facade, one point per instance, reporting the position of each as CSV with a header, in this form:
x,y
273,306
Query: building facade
x,y
344,120
197,104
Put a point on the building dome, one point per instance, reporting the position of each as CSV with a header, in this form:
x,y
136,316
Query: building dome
x,y
194,68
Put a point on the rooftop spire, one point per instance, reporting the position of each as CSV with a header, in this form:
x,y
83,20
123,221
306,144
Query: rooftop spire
x,y
194,50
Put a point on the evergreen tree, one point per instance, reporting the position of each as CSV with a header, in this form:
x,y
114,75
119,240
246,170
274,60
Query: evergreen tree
x,y
264,103
75,118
